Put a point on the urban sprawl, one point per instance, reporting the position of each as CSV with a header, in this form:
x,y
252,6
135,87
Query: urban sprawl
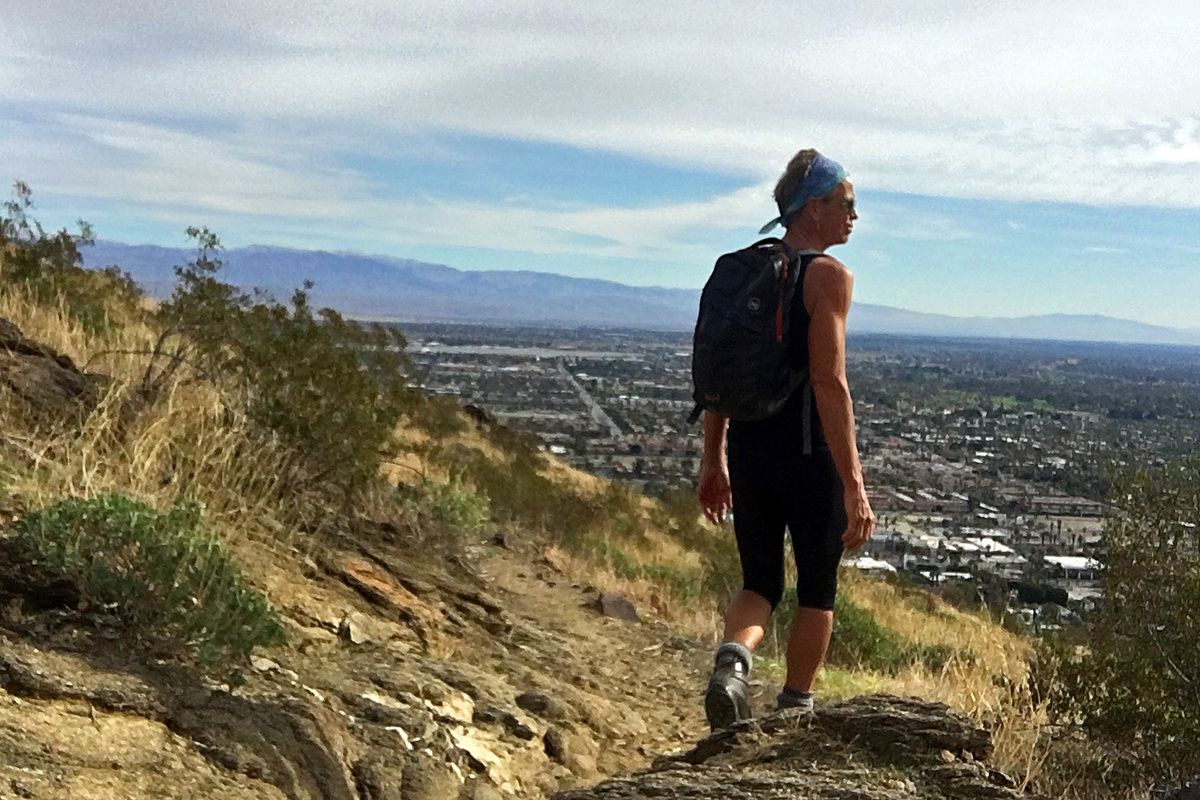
x,y
986,459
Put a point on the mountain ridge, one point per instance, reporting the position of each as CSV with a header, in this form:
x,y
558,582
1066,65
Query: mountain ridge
x,y
393,289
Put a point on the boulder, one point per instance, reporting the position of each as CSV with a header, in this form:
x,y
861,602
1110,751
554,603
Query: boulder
x,y
868,748
611,604
48,382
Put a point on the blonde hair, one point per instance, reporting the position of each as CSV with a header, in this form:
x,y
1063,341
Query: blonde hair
x,y
792,177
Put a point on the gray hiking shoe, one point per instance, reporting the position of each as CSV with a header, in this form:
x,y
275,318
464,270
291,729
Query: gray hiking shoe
x,y
789,698
728,697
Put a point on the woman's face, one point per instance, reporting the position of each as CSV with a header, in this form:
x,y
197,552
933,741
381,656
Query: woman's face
x,y
834,214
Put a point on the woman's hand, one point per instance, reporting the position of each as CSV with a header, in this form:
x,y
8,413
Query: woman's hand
x,y
860,519
715,496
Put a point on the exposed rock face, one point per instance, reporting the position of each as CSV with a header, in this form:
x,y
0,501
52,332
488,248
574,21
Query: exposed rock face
x,y
48,382
614,605
467,682
876,746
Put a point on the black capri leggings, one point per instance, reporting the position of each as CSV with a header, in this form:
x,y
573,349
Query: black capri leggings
x,y
774,488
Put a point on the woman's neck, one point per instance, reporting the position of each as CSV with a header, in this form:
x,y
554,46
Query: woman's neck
x,y
800,239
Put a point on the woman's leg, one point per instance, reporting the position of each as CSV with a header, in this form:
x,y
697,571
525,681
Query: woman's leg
x,y
816,520
746,618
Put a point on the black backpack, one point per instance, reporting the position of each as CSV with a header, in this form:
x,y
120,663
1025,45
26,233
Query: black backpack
x,y
741,367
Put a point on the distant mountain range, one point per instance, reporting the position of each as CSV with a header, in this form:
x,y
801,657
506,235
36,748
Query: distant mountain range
x,y
392,289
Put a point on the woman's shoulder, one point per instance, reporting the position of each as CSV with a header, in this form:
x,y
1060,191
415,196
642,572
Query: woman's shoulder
x,y
828,282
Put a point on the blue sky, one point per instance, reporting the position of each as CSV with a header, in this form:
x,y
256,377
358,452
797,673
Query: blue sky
x,y
1009,158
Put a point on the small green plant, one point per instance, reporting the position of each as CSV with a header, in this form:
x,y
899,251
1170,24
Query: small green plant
x,y
170,580
679,585
467,512
519,492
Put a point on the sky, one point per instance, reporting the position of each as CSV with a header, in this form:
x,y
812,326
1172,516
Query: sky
x,y
1009,157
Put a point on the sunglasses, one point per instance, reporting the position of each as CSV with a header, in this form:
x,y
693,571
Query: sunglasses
x,y
847,203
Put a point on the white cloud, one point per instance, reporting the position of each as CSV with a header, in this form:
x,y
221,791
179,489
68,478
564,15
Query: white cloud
x,y
245,107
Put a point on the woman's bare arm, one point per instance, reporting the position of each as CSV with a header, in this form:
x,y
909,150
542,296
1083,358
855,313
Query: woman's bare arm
x,y
715,496
828,287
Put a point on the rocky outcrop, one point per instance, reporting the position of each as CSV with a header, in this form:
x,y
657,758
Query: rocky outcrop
x,y
867,748
48,382
474,681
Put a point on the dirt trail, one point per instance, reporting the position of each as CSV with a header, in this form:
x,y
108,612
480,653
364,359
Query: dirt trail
x,y
645,674
479,672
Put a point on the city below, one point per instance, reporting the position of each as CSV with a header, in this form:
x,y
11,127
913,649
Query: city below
x,y
987,460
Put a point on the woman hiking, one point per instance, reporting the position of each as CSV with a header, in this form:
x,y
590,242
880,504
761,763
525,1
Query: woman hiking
x,y
798,469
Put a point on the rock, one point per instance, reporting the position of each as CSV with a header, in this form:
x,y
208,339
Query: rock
x,y
544,706
556,745
388,712
261,664
457,706
358,628
572,749
867,748
494,715
379,587
376,779
19,788
49,383
482,790
610,604
427,778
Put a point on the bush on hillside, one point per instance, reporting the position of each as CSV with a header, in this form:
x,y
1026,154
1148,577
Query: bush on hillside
x,y
678,514
50,268
172,582
465,511
518,491
330,388
1137,684
680,586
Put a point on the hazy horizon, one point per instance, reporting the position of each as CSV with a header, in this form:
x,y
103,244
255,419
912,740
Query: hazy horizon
x,y
403,290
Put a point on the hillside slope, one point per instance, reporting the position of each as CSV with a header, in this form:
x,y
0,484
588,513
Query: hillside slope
x,y
482,677
420,663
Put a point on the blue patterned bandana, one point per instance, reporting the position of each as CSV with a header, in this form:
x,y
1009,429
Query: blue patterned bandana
x,y
824,174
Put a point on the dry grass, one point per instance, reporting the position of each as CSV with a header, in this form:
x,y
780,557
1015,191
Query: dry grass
x,y
985,677
189,442
116,353
701,620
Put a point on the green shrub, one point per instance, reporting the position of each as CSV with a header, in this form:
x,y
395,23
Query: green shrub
x,y
1137,683
675,583
438,416
172,582
332,389
467,512
50,267
678,514
859,640
518,492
